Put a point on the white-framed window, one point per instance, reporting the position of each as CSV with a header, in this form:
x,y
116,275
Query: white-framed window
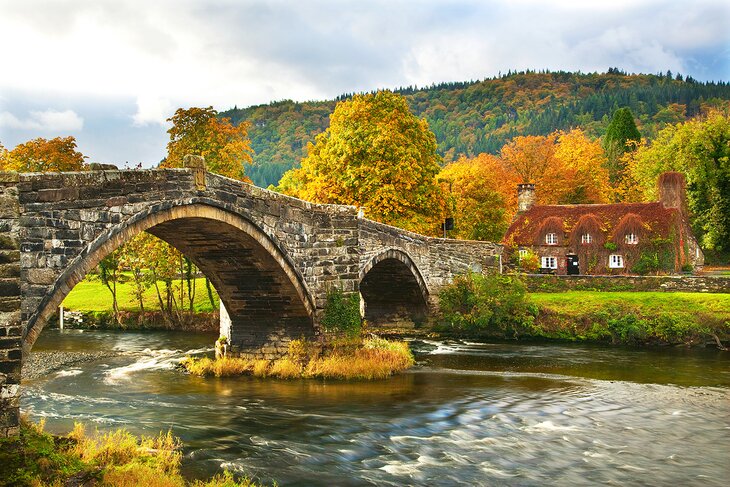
x,y
632,238
615,261
523,253
551,239
549,262
586,238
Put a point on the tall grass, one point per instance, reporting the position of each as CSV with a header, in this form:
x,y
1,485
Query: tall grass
x,y
116,458
371,358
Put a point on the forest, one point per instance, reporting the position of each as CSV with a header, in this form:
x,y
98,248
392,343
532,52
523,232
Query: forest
x,y
475,117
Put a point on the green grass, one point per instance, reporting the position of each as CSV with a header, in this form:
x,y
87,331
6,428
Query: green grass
x,y
91,295
633,317
649,302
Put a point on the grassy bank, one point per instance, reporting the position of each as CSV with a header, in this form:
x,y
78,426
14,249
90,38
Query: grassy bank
x,y
499,306
369,359
117,458
633,317
91,295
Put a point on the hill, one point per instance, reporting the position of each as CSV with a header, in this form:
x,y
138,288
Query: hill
x,y
469,118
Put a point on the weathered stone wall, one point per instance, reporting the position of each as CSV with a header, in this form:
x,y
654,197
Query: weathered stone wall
x,y
693,284
10,326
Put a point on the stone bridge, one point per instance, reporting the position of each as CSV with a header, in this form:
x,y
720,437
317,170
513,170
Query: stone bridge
x,y
272,258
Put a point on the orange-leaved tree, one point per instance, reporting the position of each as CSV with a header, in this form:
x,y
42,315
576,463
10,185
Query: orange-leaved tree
x,y
566,167
580,174
43,155
199,131
376,154
481,197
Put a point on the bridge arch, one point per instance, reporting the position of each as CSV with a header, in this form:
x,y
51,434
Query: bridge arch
x,y
257,281
393,288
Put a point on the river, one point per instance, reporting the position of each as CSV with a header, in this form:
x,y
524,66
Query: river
x,y
473,414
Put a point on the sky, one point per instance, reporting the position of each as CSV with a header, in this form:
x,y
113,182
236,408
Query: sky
x,y
111,72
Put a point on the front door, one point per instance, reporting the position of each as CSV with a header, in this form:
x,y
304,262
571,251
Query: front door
x,y
573,267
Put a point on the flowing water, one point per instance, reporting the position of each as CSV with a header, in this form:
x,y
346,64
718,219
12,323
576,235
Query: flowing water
x,y
474,414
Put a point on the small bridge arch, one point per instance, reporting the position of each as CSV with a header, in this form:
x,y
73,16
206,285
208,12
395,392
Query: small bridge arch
x,y
393,288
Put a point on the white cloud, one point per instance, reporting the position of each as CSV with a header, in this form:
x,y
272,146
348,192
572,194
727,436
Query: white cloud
x,y
43,121
152,110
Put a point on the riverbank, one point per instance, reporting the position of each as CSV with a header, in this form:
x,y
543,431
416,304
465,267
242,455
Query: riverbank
x,y
499,306
116,458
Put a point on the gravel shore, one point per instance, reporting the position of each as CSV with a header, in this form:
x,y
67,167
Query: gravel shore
x,y
40,364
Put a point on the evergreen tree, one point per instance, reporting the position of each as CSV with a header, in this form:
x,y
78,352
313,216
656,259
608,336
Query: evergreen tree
x,y
621,136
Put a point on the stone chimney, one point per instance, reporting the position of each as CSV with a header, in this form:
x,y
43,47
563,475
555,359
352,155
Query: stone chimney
x,y
525,197
672,187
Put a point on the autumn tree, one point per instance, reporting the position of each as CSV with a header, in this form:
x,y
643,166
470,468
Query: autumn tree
x,y
621,137
579,175
43,155
376,154
530,157
225,147
481,197
700,149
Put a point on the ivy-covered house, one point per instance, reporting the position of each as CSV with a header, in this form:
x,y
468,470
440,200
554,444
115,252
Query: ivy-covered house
x,y
622,238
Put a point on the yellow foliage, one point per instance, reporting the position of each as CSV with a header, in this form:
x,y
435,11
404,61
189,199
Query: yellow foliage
x,y
43,155
199,131
375,154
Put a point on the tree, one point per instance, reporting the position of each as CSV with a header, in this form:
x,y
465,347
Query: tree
x,y
108,273
700,149
376,154
530,157
481,195
579,175
621,136
199,131
42,155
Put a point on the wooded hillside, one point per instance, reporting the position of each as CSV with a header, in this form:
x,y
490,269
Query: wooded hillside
x,y
475,117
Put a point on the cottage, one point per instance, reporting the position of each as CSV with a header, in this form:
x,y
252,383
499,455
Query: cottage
x,y
622,238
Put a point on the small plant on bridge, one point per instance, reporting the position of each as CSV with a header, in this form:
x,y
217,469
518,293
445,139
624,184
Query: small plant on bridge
x,y
342,313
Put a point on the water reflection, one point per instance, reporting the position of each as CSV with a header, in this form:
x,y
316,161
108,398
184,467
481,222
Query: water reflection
x,y
470,414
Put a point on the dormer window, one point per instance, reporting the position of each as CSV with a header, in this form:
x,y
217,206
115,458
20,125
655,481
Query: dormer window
x,y
586,238
551,238
632,239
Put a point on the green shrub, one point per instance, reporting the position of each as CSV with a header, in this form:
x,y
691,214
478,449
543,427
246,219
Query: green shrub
x,y
648,262
491,303
628,328
342,313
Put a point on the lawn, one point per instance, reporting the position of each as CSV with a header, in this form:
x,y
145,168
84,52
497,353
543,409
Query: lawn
x,y
91,295
690,304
